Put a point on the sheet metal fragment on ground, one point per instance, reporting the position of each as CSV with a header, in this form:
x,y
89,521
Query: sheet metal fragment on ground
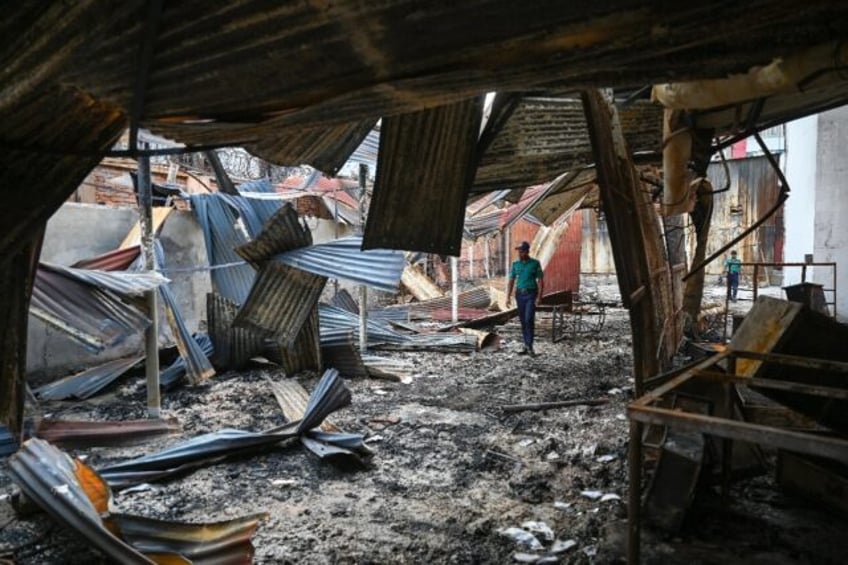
x,y
89,382
77,497
330,395
81,433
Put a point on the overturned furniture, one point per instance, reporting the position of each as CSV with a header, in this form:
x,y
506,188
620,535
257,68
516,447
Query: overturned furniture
x,y
783,351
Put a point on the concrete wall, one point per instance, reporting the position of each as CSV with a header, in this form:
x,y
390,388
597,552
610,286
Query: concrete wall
x,y
831,203
800,168
79,231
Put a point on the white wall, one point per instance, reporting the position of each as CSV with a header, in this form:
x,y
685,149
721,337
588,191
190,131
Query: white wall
x,y
831,201
799,210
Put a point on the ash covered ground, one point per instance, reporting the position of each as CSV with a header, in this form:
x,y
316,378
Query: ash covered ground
x,y
451,470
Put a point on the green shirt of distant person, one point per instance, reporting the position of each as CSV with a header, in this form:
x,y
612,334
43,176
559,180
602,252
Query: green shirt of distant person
x,y
525,273
732,264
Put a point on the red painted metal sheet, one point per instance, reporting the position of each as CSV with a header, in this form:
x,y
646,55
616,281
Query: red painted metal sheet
x,y
563,271
117,260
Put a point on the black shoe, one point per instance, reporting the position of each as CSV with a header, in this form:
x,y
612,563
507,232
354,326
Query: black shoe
x,y
531,352
523,351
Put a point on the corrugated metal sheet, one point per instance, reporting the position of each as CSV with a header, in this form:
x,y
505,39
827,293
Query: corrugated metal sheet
x,y
171,376
329,395
282,232
293,400
546,136
418,153
305,353
89,382
125,284
477,298
207,543
92,316
344,259
280,302
563,270
332,318
50,478
753,190
342,299
367,151
195,359
81,433
255,212
390,369
117,260
338,351
234,346
218,221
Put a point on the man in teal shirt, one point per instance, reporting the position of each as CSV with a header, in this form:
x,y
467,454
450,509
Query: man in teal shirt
x,y
526,277
732,267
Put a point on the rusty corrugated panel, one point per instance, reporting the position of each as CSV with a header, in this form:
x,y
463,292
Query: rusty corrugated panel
x,y
418,153
293,399
338,350
282,232
281,300
478,297
197,364
81,433
233,346
89,382
326,440
329,395
117,260
546,136
172,374
95,317
367,151
51,479
211,543
305,353
563,270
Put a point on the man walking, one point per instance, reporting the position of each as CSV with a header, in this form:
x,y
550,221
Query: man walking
x,y
732,267
526,277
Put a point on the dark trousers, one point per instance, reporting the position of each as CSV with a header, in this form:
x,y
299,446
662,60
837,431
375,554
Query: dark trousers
x,y
732,284
526,302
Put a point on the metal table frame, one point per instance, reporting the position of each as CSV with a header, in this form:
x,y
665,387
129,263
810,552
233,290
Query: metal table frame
x,y
642,411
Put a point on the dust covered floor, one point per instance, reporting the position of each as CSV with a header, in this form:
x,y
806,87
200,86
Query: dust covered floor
x,y
450,469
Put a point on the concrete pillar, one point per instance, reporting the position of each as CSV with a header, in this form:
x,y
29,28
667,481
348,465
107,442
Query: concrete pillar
x,y
831,208
800,169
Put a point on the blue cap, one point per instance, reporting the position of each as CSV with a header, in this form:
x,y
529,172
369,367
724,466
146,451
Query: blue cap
x,y
524,246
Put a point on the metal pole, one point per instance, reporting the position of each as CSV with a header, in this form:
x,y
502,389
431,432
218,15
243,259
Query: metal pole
x,y
363,290
506,259
454,291
151,334
471,260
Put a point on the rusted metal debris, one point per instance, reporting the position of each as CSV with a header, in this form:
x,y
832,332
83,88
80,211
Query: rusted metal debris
x,y
89,382
326,441
330,395
283,232
306,353
89,306
234,346
78,498
171,376
80,433
196,360
280,302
